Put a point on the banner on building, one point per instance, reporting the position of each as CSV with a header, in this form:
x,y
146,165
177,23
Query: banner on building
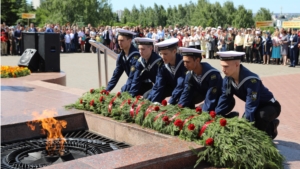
x,y
264,24
291,24
28,16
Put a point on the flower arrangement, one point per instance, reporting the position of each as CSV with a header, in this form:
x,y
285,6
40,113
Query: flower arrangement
x,y
14,71
231,143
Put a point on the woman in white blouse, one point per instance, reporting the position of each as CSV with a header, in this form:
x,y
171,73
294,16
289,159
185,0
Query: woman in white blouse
x,y
197,40
192,40
186,40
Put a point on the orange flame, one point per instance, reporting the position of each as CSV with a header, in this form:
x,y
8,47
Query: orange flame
x,y
51,127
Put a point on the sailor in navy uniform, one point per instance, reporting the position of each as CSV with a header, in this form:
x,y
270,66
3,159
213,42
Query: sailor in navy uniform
x,y
294,50
125,62
171,74
261,107
146,67
202,81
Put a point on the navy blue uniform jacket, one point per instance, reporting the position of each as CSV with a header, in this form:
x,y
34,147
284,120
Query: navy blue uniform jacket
x,y
166,78
210,88
127,65
250,89
145,72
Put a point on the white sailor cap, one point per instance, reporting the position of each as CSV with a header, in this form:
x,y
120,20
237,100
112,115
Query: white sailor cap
x,y
230,29
230,55
144,41
167,44
190,52
257,32
219,27
124,32
248,29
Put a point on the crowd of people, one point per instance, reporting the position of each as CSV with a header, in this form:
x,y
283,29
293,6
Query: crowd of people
x,y
264,47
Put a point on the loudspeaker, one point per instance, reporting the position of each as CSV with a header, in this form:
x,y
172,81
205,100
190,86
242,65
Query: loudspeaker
x,y
49,50
30,59
29,41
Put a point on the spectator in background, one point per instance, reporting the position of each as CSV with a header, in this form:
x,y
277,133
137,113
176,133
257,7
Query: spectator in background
x,y
4,40
186,40
267,49
106,37
62,40
17,38
49,29
32,28
149,33
276,48
81,35
11,41
284,47
203,43
197,40
192,40
68,41
180,39
87,46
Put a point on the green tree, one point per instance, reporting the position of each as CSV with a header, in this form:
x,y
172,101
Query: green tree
x,y
243,18
263,14
134,17
126,16
229,11
9,11
92,11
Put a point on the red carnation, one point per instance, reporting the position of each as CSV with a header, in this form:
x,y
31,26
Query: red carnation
x,y
81,101
107,93
129,101
199,110
223,122
101,98
178,123
103,91
138,97
180,106
212,114
118,94
92,91
165,119
191,127
209,142
92,103
164,102
156,108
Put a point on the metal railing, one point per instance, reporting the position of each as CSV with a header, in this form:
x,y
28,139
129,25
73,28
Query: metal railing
x,y
106,51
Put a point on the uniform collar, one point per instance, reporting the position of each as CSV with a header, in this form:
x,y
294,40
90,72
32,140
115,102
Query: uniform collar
x,y
178,62
244,75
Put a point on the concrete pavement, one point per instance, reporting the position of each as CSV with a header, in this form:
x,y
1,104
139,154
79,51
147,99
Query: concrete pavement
x,y
82,69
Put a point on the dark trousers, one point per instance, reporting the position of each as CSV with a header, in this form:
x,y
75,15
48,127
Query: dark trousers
x,y
198,47
167,92
264,115
249,56
294,56
211,54
145,87
240,49
257,55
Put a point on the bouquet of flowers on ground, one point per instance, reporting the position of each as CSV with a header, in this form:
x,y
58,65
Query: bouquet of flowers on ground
x,y
231,143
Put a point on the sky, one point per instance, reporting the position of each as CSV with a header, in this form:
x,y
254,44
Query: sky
x,y
273,5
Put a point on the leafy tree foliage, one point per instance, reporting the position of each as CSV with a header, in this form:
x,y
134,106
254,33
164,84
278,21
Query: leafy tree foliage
x,y
93,11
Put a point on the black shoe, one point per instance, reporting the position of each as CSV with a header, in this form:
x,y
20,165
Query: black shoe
x,y
275,132
232,114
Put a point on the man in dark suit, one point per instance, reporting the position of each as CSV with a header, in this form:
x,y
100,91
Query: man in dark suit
x,y
295,40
